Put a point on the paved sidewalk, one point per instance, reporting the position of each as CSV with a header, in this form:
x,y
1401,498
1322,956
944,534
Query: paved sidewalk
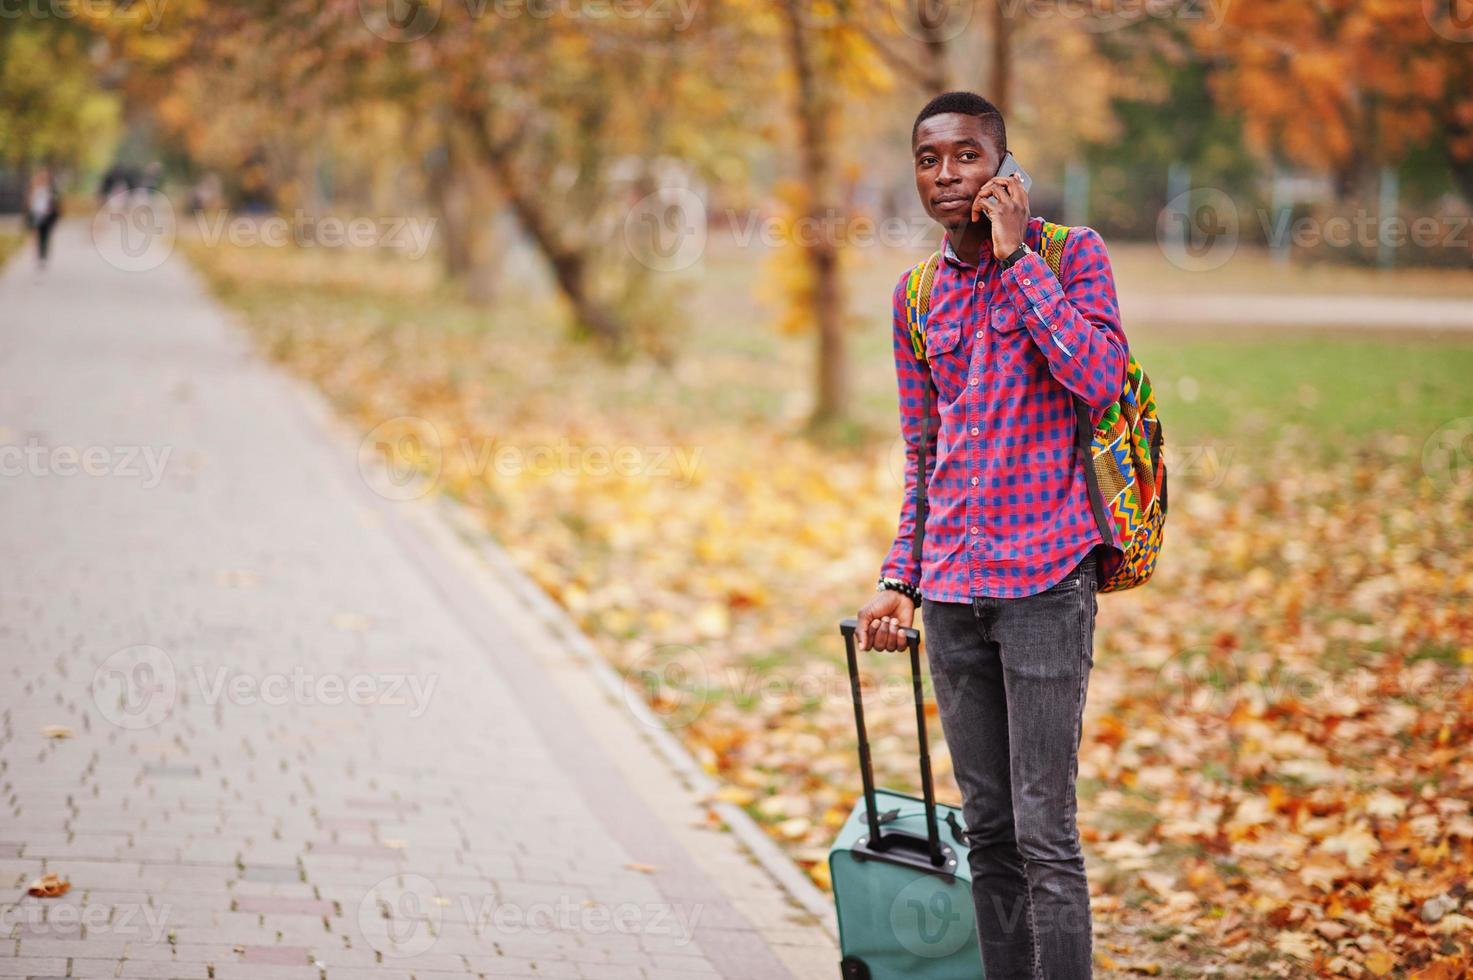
x,y
312,733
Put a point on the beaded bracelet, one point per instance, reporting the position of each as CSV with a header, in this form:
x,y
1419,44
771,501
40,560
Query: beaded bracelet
x,y
904,588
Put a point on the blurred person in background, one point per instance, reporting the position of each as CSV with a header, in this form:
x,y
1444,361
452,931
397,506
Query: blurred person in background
x,y
43,209
150,182
118,180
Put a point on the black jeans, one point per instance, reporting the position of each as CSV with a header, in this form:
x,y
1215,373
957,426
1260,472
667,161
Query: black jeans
x,y
1010,677
43,238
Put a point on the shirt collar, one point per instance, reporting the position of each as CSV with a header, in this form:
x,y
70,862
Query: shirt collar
x,y
949,253
987,259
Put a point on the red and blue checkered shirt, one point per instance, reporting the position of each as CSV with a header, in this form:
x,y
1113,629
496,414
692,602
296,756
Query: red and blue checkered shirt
x,y
1008,509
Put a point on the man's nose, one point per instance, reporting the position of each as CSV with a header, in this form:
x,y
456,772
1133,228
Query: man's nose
x,y
947,174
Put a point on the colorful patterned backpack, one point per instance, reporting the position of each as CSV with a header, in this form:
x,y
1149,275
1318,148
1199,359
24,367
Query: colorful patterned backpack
x,y
1127,471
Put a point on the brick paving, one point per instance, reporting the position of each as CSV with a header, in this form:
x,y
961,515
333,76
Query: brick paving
x,y
301,744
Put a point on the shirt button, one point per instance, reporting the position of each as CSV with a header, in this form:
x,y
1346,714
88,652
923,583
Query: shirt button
x,y
974,382
1027,282
974,481
976,530
976,431
979,335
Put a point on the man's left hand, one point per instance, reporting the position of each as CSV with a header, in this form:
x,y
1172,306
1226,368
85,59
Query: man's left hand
x,y
1005,202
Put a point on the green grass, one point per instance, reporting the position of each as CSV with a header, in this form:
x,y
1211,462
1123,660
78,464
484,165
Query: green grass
x,y
1336,389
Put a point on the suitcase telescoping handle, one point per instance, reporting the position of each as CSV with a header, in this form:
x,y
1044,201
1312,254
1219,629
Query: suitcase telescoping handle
x,y
878,842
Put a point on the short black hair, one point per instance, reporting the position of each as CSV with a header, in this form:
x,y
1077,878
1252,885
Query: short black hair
x,y
968,104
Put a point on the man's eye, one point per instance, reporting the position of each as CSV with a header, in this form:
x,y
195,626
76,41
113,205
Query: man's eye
x,y
969,156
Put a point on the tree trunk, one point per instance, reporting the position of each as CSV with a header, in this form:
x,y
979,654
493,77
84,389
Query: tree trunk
x,y
465,202
1002,59
931,17
813,113
569,264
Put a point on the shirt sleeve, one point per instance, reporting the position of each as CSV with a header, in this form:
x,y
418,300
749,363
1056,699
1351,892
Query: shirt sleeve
x,y
1074,319
917,400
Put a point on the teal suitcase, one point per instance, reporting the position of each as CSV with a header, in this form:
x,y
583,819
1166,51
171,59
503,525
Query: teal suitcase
x,y
903,890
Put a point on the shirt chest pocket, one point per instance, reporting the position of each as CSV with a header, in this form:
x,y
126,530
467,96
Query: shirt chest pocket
x,y
947,356
1013,346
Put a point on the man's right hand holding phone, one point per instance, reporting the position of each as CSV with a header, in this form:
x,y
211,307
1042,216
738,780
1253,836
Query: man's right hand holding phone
x,y
882,619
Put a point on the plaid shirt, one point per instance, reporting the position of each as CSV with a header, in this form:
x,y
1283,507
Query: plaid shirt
x,y
1008,507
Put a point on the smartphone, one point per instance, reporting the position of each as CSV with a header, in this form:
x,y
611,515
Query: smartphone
x,y
1010,168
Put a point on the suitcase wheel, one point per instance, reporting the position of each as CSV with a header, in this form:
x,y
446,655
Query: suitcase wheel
x,y
853,968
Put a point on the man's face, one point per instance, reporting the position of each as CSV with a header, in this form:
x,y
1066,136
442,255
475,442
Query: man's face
x,y
953,159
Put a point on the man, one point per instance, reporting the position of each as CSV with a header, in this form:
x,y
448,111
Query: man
x,y
1009,566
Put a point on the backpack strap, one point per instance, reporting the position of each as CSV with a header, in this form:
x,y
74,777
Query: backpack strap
x,y
918,301
917,307
1053,245
1053,240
